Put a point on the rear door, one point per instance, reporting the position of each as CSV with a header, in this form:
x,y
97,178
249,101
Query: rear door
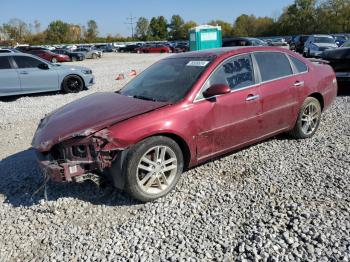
x,y
34,79
9,79
279,95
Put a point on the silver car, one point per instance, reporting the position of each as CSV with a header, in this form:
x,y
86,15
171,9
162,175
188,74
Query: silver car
x,y
89,52
316,44
23,73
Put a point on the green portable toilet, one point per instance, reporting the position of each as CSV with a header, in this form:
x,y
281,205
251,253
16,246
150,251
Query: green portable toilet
x,y
205,37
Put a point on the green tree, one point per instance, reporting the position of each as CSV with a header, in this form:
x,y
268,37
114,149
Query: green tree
x,y
244,25
57,32
176,27
91,31
158,28
142,26
226,28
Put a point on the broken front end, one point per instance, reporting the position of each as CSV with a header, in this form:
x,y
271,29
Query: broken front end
x,y
82,158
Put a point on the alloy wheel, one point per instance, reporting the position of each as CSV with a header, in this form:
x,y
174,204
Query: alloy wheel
x,y
157,169
309,119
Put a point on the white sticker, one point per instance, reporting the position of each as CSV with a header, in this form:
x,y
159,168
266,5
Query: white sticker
x,y
198,63
73,169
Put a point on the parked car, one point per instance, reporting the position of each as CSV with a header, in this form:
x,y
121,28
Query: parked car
x,y
277,41
104,48
181,47
154,48
8,50
129,48
73,56
339,59
89,52
316,44
242,41
182,111
49,56
297,43
340,39
24,73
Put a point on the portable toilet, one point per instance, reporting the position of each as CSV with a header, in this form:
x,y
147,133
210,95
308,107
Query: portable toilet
x,y
205,37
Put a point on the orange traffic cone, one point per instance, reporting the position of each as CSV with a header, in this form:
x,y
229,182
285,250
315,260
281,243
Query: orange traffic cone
x,y
133,73
120,77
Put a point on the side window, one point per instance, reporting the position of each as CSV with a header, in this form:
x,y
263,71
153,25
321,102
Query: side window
x,y
273,65
26,62
299,65
4,63
236,72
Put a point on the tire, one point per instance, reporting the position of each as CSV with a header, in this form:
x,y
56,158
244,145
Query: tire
x,y
74,59
147,181
308,119
72,84
54,60
94,56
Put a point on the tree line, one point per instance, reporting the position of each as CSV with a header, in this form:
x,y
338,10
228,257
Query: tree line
x,y
301,17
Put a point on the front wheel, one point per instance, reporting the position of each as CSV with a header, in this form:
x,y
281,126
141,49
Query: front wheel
x,y
308,119
54,60
94,56
153,168
72,84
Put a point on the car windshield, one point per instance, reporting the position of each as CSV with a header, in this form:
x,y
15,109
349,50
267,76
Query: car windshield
x,y
324,40
169,80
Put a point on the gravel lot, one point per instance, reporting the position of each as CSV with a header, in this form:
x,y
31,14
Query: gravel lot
x,y
280,200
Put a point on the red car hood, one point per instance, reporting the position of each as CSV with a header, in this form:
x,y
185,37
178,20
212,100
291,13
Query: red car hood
x,y
87,116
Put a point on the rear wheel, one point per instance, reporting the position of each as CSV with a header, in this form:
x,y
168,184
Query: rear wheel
x,y
72,84
153,168
308,119
94,56
74,59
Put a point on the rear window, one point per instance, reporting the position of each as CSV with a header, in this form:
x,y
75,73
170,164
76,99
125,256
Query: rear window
x,y
299,65
4,63
273,65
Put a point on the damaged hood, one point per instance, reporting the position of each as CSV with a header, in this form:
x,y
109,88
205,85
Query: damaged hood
x,y
87,116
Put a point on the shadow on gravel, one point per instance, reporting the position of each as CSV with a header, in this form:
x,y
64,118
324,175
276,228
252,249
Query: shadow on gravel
x,y
344,89
20,178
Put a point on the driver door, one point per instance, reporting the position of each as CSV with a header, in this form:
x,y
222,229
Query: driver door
x,y
34,79
232,120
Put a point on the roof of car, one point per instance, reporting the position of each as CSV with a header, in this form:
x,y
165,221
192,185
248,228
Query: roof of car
x,y
15,54
227,50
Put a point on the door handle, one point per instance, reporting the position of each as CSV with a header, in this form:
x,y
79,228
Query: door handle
x,y
23,73
299,83
252,97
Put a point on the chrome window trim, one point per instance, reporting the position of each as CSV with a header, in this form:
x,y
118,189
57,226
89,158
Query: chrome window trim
x,y
257,74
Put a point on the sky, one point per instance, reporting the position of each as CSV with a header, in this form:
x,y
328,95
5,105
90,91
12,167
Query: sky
x,y
111,15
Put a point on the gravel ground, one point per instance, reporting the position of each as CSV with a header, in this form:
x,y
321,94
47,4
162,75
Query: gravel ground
x,y
280,200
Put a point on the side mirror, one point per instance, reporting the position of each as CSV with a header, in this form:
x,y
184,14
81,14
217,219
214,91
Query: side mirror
x,y
43,66
216,90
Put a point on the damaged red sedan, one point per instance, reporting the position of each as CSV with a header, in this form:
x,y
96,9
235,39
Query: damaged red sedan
x,y
182,111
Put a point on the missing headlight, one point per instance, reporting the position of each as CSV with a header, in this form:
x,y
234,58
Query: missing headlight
x,y
79,151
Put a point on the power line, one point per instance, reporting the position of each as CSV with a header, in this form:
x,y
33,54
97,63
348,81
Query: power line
x,y
131,21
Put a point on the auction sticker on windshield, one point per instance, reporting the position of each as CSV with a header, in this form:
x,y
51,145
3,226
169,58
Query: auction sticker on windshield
x,y
198,63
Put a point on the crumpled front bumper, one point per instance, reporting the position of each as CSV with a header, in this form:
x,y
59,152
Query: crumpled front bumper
x,y
61,172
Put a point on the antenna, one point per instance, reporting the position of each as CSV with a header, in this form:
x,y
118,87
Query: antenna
x,y
131,21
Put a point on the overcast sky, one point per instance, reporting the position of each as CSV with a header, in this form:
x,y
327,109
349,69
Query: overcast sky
x,y
111,15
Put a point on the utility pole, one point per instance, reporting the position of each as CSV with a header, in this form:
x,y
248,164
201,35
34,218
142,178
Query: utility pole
x,y
131,21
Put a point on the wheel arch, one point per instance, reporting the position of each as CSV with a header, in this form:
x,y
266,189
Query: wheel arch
x,y
319,97
76,75
185,149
